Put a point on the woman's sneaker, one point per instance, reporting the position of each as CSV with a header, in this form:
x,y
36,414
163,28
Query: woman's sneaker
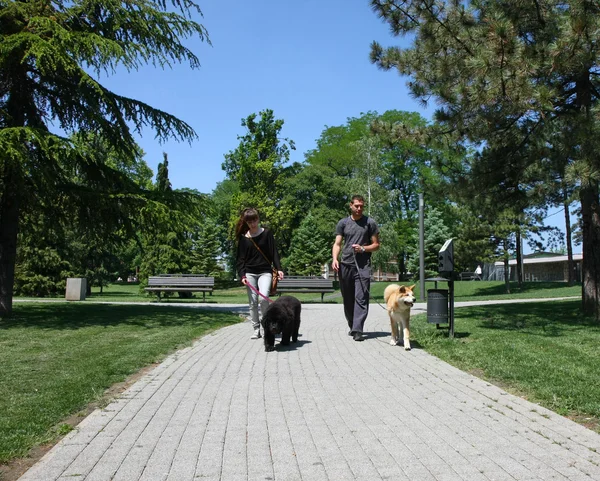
x,y
256,334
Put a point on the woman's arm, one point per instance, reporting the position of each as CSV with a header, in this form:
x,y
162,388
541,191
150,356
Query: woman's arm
x,y
274,252
241,258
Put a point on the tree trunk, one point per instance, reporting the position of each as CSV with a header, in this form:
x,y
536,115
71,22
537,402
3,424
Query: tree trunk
x,y
519,253
590,269
401,267
9,223
506,269
569,241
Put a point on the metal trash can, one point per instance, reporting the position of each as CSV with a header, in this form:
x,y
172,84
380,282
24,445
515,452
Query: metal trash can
x,y
437,306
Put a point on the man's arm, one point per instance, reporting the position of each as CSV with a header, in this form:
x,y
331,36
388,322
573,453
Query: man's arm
x,y
335,252
374,244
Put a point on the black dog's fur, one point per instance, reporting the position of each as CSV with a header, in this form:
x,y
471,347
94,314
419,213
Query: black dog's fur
x,y
282,316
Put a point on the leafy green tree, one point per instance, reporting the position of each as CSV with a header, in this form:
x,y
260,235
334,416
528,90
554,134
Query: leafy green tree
x,y
257,165
50,52
386,258
504,73
336,146
408,168
313,189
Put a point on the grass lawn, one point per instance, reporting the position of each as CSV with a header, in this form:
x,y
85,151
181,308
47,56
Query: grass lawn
x,y
491,290
463,291
546,352
234,295
58,358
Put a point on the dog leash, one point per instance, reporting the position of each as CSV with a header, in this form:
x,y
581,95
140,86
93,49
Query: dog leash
x,y
258,292
361,281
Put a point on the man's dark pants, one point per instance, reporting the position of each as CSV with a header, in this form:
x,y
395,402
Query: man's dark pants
x,y
355,292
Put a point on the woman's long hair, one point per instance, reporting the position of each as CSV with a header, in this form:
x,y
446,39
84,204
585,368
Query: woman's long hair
x,y
247,215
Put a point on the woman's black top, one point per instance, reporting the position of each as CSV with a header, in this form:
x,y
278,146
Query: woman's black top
x,y
252,261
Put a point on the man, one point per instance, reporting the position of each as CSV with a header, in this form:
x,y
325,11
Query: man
x,y
360,236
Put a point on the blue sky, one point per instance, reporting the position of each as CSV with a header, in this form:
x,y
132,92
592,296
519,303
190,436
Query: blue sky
x,y
307,61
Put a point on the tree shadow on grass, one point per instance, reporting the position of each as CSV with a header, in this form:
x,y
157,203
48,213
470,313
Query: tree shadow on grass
x,y
77,316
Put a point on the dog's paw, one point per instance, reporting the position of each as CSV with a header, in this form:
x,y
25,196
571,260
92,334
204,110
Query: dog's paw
x,y
393,342
269,348
407,345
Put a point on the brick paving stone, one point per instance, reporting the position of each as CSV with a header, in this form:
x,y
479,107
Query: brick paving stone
x,y
326,409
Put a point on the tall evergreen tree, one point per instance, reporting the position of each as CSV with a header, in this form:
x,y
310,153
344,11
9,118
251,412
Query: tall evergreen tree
x,y
436,233
168,228
206,247
50,54
311,245
504,73
59,228
163,184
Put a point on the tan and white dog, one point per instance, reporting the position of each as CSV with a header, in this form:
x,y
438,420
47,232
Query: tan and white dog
x,y
399,300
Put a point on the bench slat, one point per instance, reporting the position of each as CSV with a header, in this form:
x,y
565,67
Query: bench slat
x,y
181,281
176,289
306,284
184,283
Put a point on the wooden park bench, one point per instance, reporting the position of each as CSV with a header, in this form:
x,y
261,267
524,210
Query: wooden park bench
x,y
469,276
181,283
303,284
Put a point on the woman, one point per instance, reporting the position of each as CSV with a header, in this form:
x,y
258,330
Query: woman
x,y
255,255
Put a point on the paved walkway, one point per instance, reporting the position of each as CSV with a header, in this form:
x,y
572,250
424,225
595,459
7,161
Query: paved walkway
x,y
329,408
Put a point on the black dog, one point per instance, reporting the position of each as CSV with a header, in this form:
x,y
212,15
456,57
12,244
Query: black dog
x,y
282,316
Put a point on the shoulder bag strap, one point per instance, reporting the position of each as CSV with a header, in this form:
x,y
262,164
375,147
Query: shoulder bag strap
x,y
258,248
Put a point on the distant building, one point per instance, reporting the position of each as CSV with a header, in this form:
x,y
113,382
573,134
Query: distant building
x,y
541,266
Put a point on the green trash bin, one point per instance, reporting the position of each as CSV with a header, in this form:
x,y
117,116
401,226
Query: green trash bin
x,y
437,306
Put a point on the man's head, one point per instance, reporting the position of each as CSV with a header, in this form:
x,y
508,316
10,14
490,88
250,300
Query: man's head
x,y
357,205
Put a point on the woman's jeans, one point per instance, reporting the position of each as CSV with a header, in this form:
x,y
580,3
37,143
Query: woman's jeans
x,y
261,282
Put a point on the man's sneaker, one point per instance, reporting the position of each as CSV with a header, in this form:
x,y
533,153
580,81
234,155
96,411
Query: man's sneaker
x,y
358,336
256,334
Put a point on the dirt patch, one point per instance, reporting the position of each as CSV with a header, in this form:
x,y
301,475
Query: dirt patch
x,y
590,422
17,467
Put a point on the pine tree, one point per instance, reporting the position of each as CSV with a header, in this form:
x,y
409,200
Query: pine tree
x,y
310,248
436,233
504,73
50,54
206,248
